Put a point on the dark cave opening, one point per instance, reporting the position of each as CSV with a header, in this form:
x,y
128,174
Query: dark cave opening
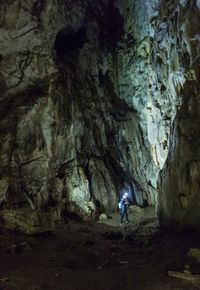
x,y
68,41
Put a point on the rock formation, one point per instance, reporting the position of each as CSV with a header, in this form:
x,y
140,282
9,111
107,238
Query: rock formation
x,y
94,94
179,46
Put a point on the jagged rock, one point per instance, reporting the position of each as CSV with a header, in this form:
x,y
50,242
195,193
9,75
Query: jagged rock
x,y
179,189
101,185
27,220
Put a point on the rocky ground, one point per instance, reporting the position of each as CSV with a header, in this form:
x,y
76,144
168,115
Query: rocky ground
x,y
101,256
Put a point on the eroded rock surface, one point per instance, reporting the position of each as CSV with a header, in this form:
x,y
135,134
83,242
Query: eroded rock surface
x,y
179,49
94,94
73,134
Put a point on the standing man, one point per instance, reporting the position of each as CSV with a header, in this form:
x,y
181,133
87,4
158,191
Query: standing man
x,y
124,204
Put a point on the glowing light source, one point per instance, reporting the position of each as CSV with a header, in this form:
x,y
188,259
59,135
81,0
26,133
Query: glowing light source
x,y
125,195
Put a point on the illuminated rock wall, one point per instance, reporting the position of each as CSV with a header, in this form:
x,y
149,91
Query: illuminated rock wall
x,y
94,94
178,50
73,98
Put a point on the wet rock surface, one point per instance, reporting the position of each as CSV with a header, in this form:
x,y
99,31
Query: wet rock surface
x,y
87,256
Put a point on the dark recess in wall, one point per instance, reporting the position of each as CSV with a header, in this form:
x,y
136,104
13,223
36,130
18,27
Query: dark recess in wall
x,y
110,23
111,27
68,41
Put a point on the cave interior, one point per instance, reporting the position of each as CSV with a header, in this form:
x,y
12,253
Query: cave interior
x,y
98,99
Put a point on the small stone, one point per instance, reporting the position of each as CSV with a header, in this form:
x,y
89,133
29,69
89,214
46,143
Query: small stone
x,y
102,217
25,245
4,279
123,262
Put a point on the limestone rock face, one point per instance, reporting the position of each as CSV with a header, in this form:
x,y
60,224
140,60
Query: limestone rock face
x,y
94,95
73,82
178,47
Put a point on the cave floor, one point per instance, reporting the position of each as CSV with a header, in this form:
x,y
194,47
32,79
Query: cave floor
x,y
100,256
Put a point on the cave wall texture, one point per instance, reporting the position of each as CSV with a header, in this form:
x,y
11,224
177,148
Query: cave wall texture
x,y
94,94
179,48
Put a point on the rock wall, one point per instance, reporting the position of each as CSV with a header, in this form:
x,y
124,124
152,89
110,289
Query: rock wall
x,y
178,51
73,82
94,94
